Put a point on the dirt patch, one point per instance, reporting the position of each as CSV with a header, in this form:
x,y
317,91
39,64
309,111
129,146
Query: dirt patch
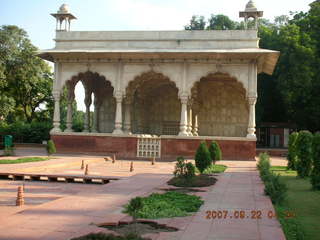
x,y
140,228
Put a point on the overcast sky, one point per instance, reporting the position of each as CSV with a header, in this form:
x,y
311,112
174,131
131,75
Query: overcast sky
x,y
34,15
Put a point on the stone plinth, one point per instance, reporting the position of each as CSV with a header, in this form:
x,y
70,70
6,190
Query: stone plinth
x,y
125,147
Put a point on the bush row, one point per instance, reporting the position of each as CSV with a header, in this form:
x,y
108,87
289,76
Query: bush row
x,y
273,185
34,132
304,156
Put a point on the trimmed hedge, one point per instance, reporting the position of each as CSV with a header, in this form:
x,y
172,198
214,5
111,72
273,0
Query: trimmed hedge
x,y
273,186
292,151
315,175
304,152
34,132
215,152
202,157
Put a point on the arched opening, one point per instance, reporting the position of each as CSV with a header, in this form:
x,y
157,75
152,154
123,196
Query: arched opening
x,y
155,106
96,94
219,102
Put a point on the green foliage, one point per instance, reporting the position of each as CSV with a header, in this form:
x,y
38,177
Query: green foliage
x,y
34,132
183,169
26,80
169,204
292,151
202,157
23,160
215,152
264,165
304,152
274,187
103,236
135,205
51,148
215,22
315,175
303,203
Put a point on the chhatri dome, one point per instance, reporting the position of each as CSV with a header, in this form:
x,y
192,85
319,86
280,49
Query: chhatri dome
x,y
251,6
64,8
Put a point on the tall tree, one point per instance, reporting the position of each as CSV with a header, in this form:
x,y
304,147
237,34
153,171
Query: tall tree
x,y
25,78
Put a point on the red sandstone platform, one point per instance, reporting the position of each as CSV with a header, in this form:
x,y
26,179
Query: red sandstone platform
x,y
125,147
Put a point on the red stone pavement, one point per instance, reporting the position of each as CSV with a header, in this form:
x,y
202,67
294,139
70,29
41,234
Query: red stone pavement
x,y
61,211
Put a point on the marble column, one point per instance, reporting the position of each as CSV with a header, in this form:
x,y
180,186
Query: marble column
x,y
97,104
87,102
127,118
56,113
118,118
195,125
252,117
70,100
69,117
190,121
184,116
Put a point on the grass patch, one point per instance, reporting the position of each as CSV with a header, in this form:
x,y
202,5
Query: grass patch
x,y
301,201
196,181
215,168
169,204
23,160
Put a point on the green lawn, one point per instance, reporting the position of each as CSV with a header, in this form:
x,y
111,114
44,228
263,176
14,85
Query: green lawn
x,y
303,202
23,160
216,168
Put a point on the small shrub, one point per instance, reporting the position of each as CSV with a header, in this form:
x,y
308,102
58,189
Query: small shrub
x,y
292,151
304,152
202,157
51,148
134,206
275,189
190,170
215,152
184,169
315,175
264,165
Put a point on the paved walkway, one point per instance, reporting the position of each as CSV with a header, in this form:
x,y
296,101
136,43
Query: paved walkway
x,y
238,189
68,210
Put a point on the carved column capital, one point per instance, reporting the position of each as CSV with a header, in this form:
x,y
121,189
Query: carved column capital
x,y
252,100
118,96
56,96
